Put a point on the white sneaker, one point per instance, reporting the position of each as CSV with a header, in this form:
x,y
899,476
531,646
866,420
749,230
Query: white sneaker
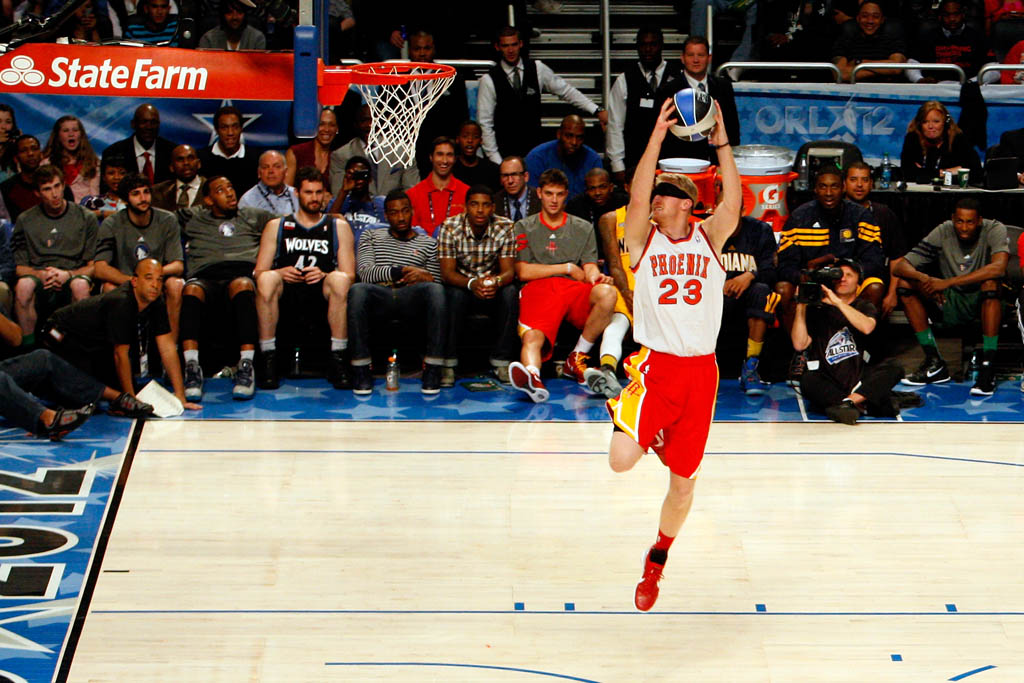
x,y
602,381
528,382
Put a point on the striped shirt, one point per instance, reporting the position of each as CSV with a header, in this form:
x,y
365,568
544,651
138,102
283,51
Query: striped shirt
x,y
476,257
137,30
381,257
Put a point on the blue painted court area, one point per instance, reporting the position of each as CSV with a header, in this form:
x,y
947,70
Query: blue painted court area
x,y
54,500
485,399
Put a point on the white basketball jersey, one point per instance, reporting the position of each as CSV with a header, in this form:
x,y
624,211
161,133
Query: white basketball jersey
x,y
677,304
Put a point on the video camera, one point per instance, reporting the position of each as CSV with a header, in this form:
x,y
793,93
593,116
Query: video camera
x,y
810,292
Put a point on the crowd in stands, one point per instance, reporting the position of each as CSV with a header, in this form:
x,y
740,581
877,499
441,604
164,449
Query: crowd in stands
x,y
151,244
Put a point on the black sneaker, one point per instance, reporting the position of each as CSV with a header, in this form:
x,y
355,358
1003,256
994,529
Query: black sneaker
x,y
338,373
932,371
986,384
66,421
362,379
127,405
267,375
431,379
846,412
193,381
245,383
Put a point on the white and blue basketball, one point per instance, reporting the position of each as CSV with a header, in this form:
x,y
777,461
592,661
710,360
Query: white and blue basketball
x,y
695,110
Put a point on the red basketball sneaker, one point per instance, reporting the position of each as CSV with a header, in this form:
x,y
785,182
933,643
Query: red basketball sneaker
x,y
575,366
525,380
647,589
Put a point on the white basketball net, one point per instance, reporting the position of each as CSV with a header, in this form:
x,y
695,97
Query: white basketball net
x,y
398,111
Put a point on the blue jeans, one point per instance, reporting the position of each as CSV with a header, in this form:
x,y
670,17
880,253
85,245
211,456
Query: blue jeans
x,y
368,302
47,375
699,25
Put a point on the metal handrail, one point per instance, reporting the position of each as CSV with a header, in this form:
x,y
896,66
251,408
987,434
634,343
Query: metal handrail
x,y
993,66
467,63
907,66
606,53
794,66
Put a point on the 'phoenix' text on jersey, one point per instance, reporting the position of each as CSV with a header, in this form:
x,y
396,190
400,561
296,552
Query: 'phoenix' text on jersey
x,y
671,264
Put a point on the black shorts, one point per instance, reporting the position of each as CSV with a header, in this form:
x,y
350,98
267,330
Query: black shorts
x,y
215,278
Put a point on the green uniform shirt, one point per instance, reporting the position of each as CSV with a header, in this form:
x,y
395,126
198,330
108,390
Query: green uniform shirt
x,y
210,240
123,245
67,241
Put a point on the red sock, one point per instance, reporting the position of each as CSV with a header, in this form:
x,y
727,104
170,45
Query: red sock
x,y
659,551
664,542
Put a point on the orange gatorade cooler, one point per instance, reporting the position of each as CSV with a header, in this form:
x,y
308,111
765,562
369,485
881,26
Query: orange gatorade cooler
x,y
766,172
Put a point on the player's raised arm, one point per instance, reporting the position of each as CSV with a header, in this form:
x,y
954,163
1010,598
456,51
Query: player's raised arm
x,y
638,215
727,214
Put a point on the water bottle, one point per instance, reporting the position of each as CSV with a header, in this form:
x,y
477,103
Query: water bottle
x,y
802,183
393,375
886,182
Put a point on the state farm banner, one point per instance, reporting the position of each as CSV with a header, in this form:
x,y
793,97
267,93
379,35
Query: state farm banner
x,y
873,117
108,119
166,72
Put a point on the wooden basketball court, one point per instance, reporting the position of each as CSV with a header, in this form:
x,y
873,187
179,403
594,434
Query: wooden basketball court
x,y
508,551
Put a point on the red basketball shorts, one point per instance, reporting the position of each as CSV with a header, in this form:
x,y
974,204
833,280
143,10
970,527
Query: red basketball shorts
x,y
674,395
543,304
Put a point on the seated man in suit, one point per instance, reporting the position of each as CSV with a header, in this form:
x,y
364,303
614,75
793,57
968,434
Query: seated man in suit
x,y
150,152
516,199
229,156
182,190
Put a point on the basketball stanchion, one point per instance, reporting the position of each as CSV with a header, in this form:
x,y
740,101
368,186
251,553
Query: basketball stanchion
x,y
399,95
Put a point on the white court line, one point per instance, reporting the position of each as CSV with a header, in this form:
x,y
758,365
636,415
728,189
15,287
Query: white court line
x,y
800,403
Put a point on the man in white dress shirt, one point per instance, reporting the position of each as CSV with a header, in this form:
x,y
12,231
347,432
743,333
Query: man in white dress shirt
x,y
508,99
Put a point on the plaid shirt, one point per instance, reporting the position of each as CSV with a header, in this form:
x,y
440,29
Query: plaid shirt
x,y
473,257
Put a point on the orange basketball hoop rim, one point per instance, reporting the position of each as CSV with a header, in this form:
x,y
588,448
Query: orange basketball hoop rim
x,y
334,81
399,95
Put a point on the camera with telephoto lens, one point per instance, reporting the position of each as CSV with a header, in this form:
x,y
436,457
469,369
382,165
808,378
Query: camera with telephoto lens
x,y
810,292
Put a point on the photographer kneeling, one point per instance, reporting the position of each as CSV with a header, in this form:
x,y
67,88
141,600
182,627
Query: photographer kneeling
x,y
832,326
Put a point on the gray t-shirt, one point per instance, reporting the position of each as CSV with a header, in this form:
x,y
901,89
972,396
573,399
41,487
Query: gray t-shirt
x,y
942,246
210,240
123,245
571,242
67,241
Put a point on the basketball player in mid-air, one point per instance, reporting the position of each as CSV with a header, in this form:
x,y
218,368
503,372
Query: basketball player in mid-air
x,y
677,309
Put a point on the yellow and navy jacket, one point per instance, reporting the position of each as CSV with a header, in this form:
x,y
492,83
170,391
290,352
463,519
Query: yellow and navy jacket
x,y
751,248
849,232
